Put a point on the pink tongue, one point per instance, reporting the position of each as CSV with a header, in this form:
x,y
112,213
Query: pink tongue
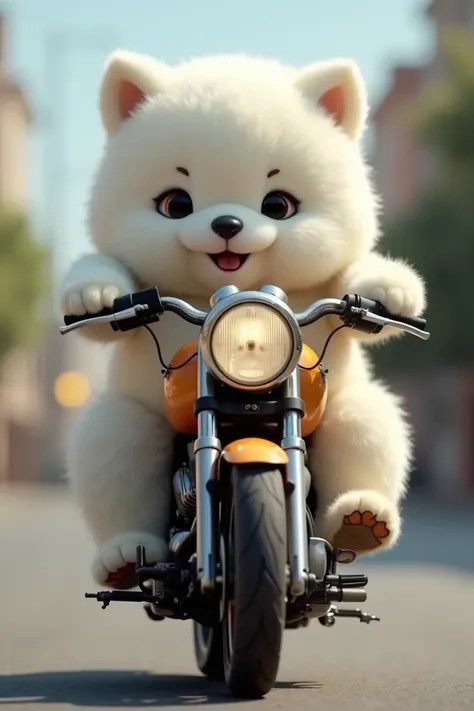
x,y
228,260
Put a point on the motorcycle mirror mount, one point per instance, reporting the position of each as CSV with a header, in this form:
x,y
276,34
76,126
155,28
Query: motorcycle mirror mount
x,y
275,291
223,293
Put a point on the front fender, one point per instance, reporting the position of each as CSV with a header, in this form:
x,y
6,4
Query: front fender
x,y
253,450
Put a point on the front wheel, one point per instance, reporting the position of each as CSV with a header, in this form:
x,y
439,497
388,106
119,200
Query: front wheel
x,y
256,553
208,650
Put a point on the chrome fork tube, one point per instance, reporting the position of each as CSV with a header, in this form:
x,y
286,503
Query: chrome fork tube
x,y
207,449
295,448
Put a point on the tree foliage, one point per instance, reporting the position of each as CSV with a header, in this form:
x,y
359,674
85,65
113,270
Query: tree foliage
x,y
437,234
444,120
22,282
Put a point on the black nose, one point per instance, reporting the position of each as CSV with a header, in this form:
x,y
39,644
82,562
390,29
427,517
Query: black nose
x,y
227,226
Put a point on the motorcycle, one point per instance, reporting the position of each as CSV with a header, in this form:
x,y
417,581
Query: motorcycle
x,y
245,562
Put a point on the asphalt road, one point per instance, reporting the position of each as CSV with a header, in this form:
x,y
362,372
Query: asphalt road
x,y
59,651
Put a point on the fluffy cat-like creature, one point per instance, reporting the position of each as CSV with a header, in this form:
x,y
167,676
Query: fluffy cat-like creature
x,y
278,149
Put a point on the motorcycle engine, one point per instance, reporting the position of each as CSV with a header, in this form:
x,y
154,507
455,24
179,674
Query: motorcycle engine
x,y
185,493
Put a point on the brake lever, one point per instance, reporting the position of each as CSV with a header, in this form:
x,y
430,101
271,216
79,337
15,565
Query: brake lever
x,y
133,312
381,321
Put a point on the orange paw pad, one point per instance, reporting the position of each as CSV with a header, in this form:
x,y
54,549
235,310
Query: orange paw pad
x,y
360,531
380,530
368,519
123,579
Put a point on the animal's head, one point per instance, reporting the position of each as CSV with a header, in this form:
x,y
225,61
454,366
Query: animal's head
x,y
232,170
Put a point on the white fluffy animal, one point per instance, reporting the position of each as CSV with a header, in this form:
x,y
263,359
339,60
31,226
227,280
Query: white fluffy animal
x,y
278,149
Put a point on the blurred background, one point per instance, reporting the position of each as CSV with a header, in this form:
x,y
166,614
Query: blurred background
x,y
418,61
417,57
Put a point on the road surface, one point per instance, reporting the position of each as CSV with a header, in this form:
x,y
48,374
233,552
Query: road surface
x,y
59,651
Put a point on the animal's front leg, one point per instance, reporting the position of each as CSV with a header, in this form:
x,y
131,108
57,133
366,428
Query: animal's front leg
x,y
92,283
359,462
392,282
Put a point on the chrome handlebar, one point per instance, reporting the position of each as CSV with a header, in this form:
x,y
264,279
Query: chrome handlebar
x,y
169,303
185,310
352,314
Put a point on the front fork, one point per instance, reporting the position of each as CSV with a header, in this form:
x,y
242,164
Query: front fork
x,y
207,450
295,448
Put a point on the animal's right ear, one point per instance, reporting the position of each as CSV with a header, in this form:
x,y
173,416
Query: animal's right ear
x,y
129,80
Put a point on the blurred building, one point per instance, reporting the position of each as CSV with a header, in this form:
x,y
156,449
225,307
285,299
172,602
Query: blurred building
x,y
397,160
442,408
402,167
34,425
21,406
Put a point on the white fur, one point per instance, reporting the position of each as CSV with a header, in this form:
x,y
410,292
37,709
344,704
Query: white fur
x,y
229,120
119,461
93,283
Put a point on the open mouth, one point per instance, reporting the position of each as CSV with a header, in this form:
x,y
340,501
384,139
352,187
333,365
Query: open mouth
x,y
229,261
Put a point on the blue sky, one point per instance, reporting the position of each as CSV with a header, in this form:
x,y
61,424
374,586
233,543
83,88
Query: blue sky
x,y
377,33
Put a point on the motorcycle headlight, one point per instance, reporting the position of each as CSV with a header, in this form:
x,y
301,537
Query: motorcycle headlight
x,y
251,345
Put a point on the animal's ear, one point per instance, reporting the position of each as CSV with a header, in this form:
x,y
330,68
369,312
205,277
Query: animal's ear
x,y
129,80
338,88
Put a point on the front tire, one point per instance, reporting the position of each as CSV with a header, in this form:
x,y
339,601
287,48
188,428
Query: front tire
x,y
255,613
208,650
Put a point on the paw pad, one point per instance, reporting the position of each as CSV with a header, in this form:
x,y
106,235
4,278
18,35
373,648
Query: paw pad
x,y
367,518
123,579
361,532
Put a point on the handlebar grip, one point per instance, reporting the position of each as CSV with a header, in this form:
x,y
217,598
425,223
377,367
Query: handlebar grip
x,y
415,321
381,310
69,319
146,297
375,307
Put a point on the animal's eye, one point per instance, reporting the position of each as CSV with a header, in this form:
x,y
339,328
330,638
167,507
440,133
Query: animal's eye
x,y
174,204
279,205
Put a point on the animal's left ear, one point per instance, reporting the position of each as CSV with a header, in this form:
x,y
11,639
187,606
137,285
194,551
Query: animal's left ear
x,y
129,80
338,88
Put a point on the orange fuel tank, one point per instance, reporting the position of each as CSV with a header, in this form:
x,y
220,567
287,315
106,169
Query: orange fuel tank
x,y
181,390
314,390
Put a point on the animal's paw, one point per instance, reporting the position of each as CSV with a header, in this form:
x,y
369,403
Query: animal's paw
x,y
397,287
362,521
114,565
90,299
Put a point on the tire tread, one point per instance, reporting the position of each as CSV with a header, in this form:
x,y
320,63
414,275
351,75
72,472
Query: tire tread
x,y
260,553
